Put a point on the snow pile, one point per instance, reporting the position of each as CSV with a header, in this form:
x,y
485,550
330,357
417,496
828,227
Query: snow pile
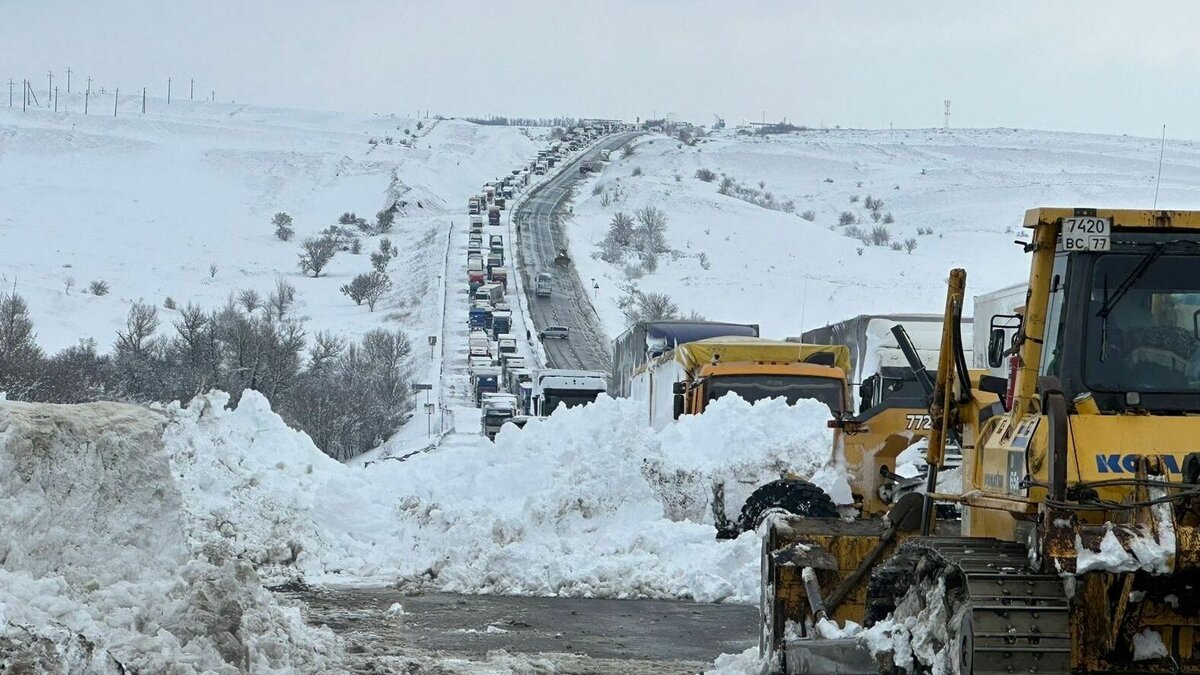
x,y
1148,645
98,574
749,662
571,505
742,451
1147,551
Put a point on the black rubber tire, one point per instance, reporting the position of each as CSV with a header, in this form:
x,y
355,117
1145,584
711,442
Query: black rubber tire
x,y
798,497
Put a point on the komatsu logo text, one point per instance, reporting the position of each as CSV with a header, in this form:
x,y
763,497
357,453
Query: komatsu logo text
x,y
1128,463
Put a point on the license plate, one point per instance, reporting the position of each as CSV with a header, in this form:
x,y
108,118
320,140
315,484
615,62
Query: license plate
x,y
1086,233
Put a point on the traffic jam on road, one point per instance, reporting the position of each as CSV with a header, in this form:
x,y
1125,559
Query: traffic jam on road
x,y
506,385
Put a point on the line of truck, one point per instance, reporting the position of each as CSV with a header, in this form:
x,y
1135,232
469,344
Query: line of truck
x,y
505,386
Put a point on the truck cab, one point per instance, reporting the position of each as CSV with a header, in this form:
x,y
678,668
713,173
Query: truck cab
x,y
758,380
495,409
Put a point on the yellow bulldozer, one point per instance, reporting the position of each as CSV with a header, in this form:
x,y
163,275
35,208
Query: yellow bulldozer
x,y
1078,548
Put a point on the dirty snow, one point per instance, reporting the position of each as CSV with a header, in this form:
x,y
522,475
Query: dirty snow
x,y
102,571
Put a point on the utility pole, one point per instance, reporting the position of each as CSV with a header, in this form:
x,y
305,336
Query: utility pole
x,y
24,94
87,93
116,97
10,92
213,94
56,99
143,100
168,91
50,87
192,91
68,80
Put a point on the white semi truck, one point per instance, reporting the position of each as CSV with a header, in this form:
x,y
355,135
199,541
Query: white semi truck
x,y
553,388
495,409
878,368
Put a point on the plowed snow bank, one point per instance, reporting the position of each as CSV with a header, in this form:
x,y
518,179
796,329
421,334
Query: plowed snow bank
x,y
97,573
576,504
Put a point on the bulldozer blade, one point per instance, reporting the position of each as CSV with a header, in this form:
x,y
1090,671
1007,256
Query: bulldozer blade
x,y
844,656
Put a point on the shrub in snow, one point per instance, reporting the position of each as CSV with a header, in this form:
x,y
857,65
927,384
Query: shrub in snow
x,y
597,189
872,203
810,216
637,170
385,254
897,246
369,287
649,307
910,244
68,284
726,187
847,218
212,270
283,226
888,219
855,232
627,150
876,216
98,287
853,199
879,236
250,300
704,261
859,250
316,253
706,175
384,220
355,246
280,300
169,303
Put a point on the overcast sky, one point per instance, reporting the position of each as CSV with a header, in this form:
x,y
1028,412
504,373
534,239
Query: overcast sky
x,y
1103,66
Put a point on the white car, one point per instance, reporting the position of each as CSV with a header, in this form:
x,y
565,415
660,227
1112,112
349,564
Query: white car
x,y
554,333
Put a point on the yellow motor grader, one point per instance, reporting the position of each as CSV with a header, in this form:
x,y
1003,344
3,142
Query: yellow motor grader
x,y
1078,549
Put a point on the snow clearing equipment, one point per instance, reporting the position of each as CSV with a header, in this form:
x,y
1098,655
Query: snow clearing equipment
x,y
1078,550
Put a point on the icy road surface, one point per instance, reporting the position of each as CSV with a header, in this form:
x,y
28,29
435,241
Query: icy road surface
x,y
570,635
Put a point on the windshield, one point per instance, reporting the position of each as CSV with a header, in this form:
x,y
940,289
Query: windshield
x,y
792,388
1141,331
568,398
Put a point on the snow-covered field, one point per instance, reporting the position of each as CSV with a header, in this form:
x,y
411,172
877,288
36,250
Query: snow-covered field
x,y
765,266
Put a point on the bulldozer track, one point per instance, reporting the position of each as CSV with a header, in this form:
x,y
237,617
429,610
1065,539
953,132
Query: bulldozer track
x,y
1019,618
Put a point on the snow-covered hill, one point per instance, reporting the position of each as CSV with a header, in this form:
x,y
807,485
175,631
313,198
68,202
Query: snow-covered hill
x,y
148,202
969,187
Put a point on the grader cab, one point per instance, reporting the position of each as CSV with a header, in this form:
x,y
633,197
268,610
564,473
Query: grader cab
x,y
1078,548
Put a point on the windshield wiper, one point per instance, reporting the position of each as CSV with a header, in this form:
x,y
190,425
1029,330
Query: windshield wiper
x,y
1128,282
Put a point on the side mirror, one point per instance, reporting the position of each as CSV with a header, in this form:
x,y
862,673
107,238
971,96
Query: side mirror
x,y
996,348
678,389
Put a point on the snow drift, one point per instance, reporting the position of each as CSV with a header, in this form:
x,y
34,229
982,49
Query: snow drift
x,y
96,573
572,505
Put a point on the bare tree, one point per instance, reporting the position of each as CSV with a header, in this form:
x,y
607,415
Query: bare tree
x,y
316,254
140,324
250,300
283,226
20,357
280,300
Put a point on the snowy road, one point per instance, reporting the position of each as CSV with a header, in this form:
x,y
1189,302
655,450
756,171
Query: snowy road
x,y
541,235
574,635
